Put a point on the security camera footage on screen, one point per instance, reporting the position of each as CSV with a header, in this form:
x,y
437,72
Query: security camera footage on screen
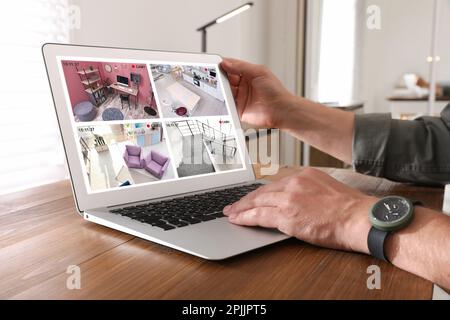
x,y
145,123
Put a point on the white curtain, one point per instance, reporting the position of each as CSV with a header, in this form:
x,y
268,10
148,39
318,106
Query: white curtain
x,y
31,152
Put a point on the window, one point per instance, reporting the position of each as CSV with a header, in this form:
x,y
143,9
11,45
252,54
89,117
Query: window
x,y
337,51
31,149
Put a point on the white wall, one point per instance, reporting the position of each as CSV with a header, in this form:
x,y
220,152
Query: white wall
x,y
258,35
401,46
156,24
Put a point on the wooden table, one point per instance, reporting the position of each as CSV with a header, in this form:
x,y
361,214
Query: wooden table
x,y
41,235
131,90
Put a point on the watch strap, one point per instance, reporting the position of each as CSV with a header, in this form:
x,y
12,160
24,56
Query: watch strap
x,y
375,242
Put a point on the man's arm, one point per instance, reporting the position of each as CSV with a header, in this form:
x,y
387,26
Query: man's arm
x,y
318,209
294,205
263,101
408,151
327,129
423,248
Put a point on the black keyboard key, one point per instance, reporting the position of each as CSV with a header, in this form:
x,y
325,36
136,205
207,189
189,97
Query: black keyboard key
x,y
211,213
178,223
217,215
190,220
182,211
165,227
197,213
205,218
150,220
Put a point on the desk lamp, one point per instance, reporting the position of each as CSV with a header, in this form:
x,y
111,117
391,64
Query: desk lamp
x,y
221,19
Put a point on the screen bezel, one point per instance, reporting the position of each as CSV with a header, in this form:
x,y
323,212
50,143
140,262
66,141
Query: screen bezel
x,y
85,200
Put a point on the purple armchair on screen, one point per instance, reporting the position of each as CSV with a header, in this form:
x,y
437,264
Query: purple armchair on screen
x,y
156,164
132,157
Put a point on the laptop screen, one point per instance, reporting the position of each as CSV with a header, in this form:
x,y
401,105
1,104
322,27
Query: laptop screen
x,y
171,122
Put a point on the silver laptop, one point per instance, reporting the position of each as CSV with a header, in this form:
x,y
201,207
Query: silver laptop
x,y
158,159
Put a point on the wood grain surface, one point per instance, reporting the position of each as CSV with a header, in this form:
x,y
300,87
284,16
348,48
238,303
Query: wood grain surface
x,y
41,235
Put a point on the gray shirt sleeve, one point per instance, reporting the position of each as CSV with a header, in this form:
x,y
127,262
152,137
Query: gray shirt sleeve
x,y
407,151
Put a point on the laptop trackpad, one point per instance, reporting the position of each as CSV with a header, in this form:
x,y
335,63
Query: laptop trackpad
x,y
220,239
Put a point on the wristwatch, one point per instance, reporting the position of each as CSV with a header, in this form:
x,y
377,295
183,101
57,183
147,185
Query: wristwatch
x,y
387,215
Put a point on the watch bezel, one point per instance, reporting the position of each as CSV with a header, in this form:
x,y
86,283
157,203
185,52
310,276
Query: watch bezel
x,y
391,225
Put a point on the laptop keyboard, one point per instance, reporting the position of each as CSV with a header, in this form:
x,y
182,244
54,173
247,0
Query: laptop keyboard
x,y
183,211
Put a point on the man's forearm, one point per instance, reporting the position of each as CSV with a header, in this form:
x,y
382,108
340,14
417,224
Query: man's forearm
x,y
423,248
327,129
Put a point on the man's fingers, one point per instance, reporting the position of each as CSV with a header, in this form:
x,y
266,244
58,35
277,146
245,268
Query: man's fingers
x,y
277,186
234,79
255,199
242,96
274,187
239,67
265,193
234,90
266,217
227,66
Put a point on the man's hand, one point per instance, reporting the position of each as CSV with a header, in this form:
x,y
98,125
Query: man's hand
x,y
263,102
261,98
311,206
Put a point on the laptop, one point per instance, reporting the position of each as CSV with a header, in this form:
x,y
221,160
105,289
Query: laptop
x,y
164,167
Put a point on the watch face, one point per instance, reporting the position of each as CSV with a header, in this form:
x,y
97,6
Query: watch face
x,y
391,209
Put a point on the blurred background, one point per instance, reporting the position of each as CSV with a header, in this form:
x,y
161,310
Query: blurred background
x,y
357,55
